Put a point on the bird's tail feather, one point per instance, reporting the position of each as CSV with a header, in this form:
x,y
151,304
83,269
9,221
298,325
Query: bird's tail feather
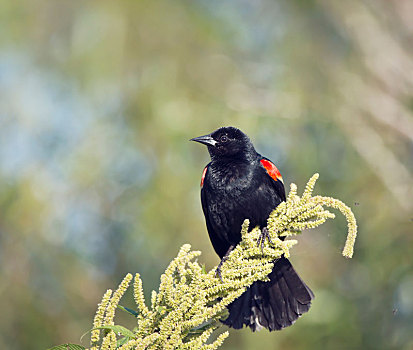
x,y
275,304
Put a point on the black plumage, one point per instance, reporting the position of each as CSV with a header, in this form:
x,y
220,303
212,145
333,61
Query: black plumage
x,y
240,184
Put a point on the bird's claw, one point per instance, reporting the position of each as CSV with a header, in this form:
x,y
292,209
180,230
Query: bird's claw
x,y
224,258
265,234
218,270
218,273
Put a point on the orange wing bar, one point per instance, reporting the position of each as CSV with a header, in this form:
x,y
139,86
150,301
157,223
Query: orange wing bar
x,y
271,170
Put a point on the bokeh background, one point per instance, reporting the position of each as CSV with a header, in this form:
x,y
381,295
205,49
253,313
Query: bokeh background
x,y
97,178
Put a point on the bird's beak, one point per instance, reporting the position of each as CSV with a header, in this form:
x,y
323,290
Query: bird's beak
x,y
206,140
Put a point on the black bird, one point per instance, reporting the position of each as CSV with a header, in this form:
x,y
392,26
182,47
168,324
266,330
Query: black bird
x,y
241,184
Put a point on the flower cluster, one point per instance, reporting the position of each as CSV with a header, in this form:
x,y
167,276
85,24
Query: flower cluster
x,y
186,310
298,214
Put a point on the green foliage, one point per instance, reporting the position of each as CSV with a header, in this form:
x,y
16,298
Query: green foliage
x,y
190,302
68,347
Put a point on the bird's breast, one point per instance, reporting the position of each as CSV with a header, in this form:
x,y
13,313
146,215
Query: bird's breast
x,y
230,178
235,194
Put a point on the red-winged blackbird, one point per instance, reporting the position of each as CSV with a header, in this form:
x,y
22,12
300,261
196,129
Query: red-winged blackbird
x,y
241,184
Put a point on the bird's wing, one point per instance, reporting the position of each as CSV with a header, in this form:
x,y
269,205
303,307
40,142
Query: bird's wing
x,y
219,245
275,174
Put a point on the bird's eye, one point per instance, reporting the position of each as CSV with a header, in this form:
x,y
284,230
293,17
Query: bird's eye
x,y
224,138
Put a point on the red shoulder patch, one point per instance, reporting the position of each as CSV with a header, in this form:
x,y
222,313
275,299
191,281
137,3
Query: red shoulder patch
x,y
271,170
203,176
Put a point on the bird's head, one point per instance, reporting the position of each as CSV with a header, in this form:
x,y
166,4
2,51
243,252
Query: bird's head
x,y
227,142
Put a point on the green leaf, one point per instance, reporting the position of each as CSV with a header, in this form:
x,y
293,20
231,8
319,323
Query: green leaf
x,y
203,327
129,311
120,330
68,347
122,341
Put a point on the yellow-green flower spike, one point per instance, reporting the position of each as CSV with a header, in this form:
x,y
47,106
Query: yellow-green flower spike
x,y
348,249
99,317
139,297
114,301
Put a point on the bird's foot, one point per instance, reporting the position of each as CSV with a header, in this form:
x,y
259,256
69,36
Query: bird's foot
x,y
218,270
265,234
224,258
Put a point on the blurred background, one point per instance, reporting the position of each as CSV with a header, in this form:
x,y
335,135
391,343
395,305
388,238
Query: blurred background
x,y
97,178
